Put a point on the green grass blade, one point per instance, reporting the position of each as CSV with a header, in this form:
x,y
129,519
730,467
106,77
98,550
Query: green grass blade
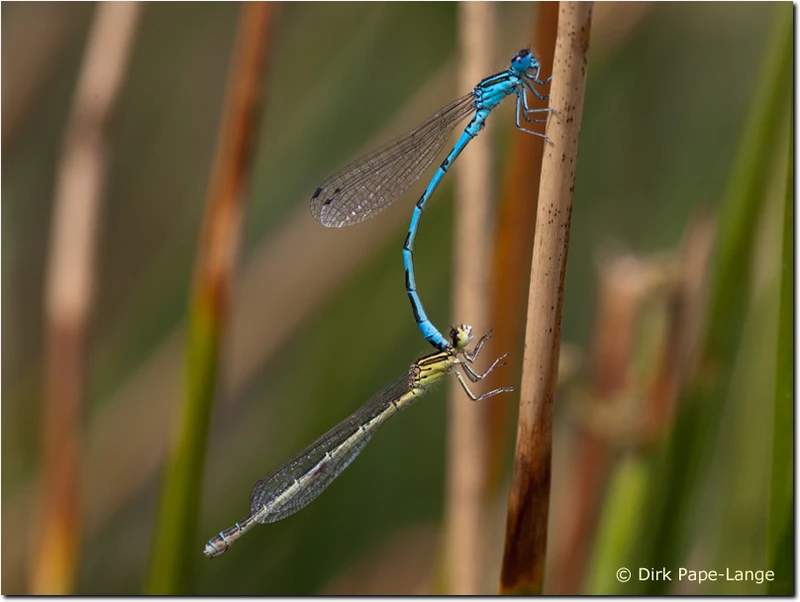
x,y
744,198
179,506
617,529
780,544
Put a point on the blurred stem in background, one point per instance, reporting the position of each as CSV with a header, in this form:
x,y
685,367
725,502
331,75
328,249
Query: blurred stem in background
x,y
686,302
70,282
676,479
464,561
175,544
672,292
625,284
528,507
644,423
780,543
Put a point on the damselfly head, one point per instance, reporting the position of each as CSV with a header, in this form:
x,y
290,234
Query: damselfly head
x,y
461,335
524,60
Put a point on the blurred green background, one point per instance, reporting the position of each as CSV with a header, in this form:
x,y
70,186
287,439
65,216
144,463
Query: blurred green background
x,y
669,88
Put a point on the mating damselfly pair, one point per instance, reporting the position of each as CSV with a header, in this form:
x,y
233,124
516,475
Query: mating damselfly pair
x,y
352,195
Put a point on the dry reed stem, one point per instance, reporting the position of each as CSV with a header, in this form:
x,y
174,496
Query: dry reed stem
x,y
464,511
526,526
69,283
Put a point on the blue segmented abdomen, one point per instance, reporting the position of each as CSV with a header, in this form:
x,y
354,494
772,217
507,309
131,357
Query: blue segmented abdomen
x,y
429,331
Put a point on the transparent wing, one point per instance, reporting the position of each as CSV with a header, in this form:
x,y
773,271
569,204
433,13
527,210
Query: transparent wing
x,y
370,184
310,472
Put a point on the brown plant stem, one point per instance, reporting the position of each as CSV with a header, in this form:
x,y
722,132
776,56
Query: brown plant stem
x,y
528,508
465,457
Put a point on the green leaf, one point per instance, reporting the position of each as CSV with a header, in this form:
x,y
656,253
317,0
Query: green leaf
x,y
780,545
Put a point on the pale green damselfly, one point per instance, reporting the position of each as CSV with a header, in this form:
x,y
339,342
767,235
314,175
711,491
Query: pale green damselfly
x,y
304,477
